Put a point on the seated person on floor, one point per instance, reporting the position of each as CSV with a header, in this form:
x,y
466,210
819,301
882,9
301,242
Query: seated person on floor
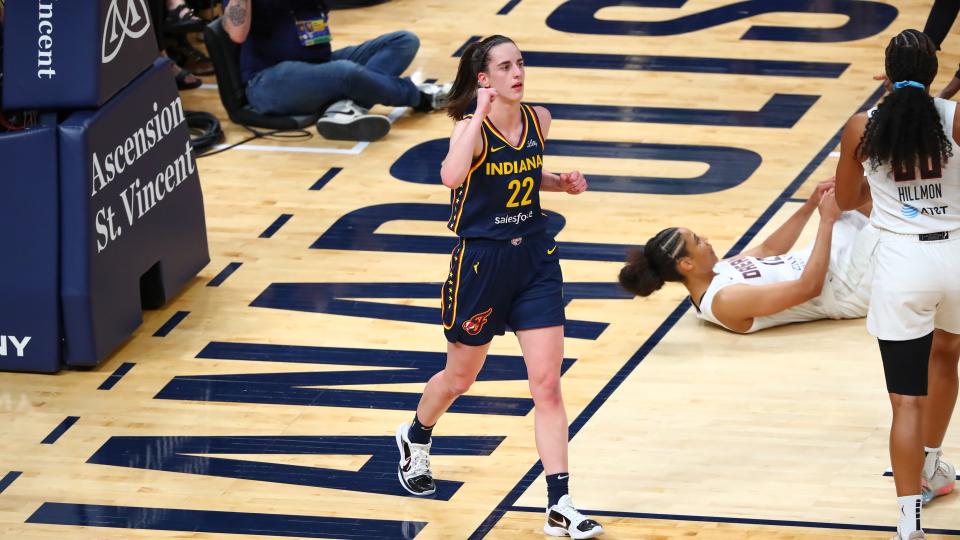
x,y
290,68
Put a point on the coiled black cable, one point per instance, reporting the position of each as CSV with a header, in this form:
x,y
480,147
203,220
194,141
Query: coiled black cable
x,y
206,132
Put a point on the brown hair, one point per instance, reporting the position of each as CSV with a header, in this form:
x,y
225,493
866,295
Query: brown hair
x,y
472,62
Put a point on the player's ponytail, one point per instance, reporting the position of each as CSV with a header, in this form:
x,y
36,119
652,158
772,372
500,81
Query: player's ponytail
x,y
649,266
905,131
472,62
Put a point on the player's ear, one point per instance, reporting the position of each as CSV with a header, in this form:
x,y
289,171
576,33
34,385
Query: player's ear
x,y
685,265
482,80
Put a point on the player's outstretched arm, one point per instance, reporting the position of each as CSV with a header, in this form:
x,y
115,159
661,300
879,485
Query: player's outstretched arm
x,y
852,191
736,306
785,237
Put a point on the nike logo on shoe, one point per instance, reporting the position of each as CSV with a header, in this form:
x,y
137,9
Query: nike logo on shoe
x,y
555,522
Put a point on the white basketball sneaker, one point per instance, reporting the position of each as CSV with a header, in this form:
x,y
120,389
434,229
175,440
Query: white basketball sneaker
x,y
940,481
564,520
414,468
347,121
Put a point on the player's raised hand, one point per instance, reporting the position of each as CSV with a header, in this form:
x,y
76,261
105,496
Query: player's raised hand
x,y
820,189
485,98
574,182
829,210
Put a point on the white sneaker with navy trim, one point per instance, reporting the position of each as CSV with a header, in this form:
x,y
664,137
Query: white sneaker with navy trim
x,y
564,520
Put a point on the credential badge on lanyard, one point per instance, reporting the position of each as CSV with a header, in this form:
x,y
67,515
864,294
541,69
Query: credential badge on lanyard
x,y
313,31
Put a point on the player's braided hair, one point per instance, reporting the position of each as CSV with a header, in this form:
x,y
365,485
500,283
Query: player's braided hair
x,y
905,131
650,265
472,62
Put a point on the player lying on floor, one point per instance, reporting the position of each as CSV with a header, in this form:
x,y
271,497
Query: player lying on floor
x,y
770,285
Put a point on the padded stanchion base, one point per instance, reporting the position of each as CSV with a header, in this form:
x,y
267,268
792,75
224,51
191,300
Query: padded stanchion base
x,y
133,229
29,302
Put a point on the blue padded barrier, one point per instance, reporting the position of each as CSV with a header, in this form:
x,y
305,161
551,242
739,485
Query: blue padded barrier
x,y
29,219
74,54
132,224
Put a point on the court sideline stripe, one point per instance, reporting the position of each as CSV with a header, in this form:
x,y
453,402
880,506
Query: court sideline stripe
x,y
741,521
511,497
227,271
275,226
171,323
8,479
58,431
322,181
115,377
508,7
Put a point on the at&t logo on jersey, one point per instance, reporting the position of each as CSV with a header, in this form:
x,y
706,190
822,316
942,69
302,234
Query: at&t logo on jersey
x,y
520,217
910,212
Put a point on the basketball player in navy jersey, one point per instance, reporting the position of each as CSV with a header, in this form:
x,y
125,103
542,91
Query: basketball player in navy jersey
x,y
907,146
504,271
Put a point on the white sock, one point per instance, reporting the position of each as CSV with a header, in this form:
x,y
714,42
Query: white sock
x,y
909,515
931,455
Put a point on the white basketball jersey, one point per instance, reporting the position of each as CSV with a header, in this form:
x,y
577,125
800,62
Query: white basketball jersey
x,y
846,288
754,271
921,201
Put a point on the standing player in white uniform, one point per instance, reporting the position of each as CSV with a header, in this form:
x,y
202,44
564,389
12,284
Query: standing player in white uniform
x,y
767,285
905,146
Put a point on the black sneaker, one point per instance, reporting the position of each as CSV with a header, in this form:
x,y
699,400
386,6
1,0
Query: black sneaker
x,y
347,121
564,520
414,468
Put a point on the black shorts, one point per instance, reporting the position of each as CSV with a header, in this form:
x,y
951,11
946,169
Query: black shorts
x,y
906,365
493,284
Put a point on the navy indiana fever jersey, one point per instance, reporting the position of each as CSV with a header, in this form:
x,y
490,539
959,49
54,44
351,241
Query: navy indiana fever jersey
x,y
500,198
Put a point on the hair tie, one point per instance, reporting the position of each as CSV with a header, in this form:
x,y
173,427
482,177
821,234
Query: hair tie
x,y
903,84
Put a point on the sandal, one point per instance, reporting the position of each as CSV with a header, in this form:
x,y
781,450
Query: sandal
x,y
181,19
196,61
184,84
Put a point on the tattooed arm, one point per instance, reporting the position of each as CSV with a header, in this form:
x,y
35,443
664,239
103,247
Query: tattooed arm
x,y
236,19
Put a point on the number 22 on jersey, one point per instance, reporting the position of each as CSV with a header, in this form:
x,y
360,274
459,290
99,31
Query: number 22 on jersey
x,y
516,186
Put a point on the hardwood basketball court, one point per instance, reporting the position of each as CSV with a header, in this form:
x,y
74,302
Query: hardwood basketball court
x,y
262,401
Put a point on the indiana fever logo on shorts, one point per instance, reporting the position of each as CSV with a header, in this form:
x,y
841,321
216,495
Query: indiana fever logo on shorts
x,y
474,324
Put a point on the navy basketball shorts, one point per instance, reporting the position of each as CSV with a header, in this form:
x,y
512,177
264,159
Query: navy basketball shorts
x,y
493,284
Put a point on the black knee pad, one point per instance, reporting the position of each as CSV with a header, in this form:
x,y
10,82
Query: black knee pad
x,y
905,365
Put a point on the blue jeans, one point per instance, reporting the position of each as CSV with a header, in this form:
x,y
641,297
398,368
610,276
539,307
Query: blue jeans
x,y
367,73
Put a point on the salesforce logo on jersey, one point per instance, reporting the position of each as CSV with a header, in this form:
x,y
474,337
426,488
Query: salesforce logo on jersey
x,y
515,219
